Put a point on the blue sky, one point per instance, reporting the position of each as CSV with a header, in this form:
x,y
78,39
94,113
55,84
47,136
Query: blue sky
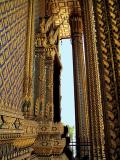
x,y
67,87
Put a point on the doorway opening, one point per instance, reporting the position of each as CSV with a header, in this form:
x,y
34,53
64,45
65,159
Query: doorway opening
x,y
67,89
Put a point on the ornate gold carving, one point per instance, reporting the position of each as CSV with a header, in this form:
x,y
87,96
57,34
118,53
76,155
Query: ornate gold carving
x,y
93,79
50,53
30,132
46,142
40,40
45,49
1,122
20,132
45,24
17,124
24,142
5,110
30,88
42,26
40,87
37,107
58,128
110,97
8,122
58,146
115,36
49,84
28,75
52,38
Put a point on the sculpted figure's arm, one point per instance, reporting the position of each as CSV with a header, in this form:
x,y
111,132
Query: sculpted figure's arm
x,y
42,26
53,36
49,23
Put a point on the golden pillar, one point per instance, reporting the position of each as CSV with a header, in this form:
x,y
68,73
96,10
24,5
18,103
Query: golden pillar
x,y
81,108
49,108
40,72
106,20
114,21
93,83
30,87
44,61
28,74
102,58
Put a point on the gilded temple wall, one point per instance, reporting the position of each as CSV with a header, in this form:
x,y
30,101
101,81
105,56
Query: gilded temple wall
x,y
13,29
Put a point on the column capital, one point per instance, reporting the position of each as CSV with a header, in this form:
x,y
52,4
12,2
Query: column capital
x,y
76,24
50,52
40,40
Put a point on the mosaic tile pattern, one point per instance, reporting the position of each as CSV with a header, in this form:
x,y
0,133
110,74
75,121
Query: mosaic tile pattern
x,y
13,31
63,9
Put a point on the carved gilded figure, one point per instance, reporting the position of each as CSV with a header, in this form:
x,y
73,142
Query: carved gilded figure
x,y
42,26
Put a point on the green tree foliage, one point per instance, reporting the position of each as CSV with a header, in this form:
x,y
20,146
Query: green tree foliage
x,y
71,131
